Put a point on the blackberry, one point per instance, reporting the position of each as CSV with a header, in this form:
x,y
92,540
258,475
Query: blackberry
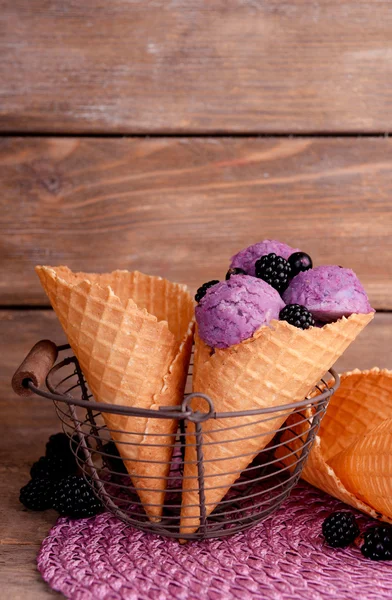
x,y
201,292
58,444
113,460
377,543
275,270
234,271
340,529
299,261
52,467
73,497
37,494
297,315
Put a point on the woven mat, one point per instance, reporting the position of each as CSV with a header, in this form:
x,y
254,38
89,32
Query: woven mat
x,y
282,558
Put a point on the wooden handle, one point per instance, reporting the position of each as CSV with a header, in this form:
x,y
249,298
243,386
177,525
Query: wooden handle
x,y
35,367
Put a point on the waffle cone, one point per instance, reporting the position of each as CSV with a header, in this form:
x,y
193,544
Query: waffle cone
x,y
280,364
132,335
352,456
365,467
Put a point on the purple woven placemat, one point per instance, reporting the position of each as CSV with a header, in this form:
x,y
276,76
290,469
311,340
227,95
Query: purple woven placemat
x,y
282,558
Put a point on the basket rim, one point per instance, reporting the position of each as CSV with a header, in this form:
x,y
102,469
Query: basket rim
x,y
182,411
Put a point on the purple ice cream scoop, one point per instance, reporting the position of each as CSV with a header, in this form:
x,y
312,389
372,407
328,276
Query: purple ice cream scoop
x,y
245,259
231,311
329,292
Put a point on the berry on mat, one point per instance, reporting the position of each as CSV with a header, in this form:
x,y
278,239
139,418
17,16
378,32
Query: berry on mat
x,y
73,497
297,315
234,271
52,467
201,292
340,529
299,261
377,543
273,269
37,494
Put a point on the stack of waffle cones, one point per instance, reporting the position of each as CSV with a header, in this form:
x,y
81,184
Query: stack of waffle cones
x,y
279,365
132,335
352,456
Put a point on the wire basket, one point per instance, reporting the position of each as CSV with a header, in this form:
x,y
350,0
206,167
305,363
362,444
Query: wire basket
x,y
259,489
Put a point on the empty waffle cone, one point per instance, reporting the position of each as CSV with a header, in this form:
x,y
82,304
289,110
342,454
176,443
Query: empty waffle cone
x,y
132,335
352,455
365,467
279,365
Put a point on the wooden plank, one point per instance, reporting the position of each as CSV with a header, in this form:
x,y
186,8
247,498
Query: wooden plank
x,y
221,66
20,579
27,424
181,207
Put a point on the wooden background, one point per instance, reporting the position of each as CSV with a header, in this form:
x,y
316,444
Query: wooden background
x,y
165,136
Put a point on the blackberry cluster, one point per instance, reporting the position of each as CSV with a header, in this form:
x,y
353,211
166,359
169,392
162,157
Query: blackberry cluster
x,y
201,292
58,445
37,494
275,270
297,315
340,529
52,467
278,272
55,484
73,497
377,543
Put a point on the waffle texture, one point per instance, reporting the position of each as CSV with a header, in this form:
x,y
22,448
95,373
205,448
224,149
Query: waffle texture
x,y
352,456
365,467
280,364
132,335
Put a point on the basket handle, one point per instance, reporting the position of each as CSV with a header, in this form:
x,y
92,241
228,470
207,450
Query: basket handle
x,y
35,367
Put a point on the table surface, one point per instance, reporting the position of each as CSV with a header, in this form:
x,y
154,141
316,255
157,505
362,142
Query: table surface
x,y
165,137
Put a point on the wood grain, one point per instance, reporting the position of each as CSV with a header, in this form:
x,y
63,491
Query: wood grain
x,y
181,207
20,579
217,66
27,424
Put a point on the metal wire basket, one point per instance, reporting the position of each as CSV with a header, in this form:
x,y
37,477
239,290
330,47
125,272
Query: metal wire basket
x,y
259,489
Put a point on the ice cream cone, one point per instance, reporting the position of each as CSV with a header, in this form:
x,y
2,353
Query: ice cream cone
x,y
352,456
132,335
280,364
365,467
